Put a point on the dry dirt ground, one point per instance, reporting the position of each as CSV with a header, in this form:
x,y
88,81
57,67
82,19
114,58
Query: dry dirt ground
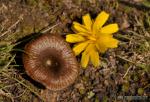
x,y
124,71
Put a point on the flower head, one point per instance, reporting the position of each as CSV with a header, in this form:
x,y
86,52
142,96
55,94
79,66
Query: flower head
x,y
92,38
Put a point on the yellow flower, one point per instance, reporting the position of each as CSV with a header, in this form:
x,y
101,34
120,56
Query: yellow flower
x,y
92,38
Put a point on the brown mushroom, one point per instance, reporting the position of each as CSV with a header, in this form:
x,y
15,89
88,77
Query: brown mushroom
x,y
50,61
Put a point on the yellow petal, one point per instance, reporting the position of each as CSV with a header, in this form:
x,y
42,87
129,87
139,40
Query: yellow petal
x,y
87,21
83,34
89,48
113,43
102,43
84,59
80,47
73,38
86,55
94,56
77,27
109,29
107,41
101,48
100,21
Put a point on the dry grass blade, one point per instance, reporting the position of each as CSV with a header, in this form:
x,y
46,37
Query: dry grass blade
x,y
9,29
6,66
20,82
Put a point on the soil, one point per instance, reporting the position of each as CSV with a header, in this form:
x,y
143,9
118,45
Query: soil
x,y
124,71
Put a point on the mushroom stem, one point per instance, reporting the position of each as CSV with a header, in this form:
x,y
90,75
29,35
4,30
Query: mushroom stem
x,y
49,96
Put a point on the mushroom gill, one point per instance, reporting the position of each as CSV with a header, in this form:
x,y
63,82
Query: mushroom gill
x,y
50,61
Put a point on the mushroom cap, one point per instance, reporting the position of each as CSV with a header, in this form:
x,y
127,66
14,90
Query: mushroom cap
x,y
50,61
